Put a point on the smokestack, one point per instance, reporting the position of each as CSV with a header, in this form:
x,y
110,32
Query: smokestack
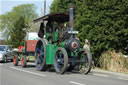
x,y
71,18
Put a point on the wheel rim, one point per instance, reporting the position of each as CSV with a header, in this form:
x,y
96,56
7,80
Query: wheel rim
x,y
14,60
59,61
85,62
39,56
22,61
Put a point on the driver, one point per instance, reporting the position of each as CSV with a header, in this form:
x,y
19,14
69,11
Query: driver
x,y
49,27
41,31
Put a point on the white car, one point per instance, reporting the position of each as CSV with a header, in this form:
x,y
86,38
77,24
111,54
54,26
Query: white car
x,y
6,53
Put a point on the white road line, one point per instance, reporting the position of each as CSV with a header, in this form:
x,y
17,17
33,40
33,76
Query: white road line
x,y
76,83
27,71
100,75
122,78
1,64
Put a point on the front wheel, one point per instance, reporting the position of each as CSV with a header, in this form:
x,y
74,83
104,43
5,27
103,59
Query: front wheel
x,y
40,55
85,63
24,61
61,60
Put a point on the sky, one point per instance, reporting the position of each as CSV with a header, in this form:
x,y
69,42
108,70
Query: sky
x,y
7,5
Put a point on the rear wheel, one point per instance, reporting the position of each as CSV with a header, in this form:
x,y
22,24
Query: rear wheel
x,y
40,55
5,59
61,60
85,64
15,60
24,61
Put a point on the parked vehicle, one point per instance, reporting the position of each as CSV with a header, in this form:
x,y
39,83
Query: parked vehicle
x,y
6,53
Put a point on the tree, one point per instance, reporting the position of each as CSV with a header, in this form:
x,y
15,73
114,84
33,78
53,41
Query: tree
x,y
104,23
18,33
16,23
63,5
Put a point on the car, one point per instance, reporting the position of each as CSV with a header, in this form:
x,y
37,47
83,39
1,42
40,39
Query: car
x,y
6,53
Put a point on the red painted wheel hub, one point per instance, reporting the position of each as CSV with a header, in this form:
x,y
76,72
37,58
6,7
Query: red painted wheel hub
x,y
14,60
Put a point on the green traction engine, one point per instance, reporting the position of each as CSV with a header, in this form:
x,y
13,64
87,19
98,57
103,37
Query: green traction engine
x,y
59,47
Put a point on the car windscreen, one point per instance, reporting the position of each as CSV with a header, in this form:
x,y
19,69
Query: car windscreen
x,y
2,48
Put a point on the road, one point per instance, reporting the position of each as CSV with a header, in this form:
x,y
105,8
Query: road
x,y
16,75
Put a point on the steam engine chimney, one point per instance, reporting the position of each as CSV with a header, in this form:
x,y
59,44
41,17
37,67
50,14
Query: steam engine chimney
x,y
71,18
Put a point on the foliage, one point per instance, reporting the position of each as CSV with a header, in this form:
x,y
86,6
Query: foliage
x,y
17,33
63,5
102,22
16,23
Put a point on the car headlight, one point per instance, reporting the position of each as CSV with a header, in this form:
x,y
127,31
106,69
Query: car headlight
x,y
1,55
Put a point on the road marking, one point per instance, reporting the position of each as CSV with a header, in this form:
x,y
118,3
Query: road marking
x,y
122,78
100,75
76,83
1,64
27,71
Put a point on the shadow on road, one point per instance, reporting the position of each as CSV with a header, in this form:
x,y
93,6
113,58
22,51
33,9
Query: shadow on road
x,y
30,66
67,72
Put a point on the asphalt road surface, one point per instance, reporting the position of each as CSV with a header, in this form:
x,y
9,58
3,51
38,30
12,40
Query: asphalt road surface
x,y
16,75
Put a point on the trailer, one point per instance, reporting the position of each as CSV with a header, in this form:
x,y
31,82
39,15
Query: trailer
x,y
26,53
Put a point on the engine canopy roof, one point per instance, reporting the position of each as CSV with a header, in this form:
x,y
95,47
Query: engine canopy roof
x,y
57,17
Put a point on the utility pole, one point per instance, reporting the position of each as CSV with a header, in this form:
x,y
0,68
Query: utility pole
x,y
44,7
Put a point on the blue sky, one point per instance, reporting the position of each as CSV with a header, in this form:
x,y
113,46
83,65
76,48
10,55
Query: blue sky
x,y
7,5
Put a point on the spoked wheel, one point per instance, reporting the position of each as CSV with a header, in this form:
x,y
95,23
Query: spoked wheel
x,y
85,64
15,60
40,55
61,61
24,61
